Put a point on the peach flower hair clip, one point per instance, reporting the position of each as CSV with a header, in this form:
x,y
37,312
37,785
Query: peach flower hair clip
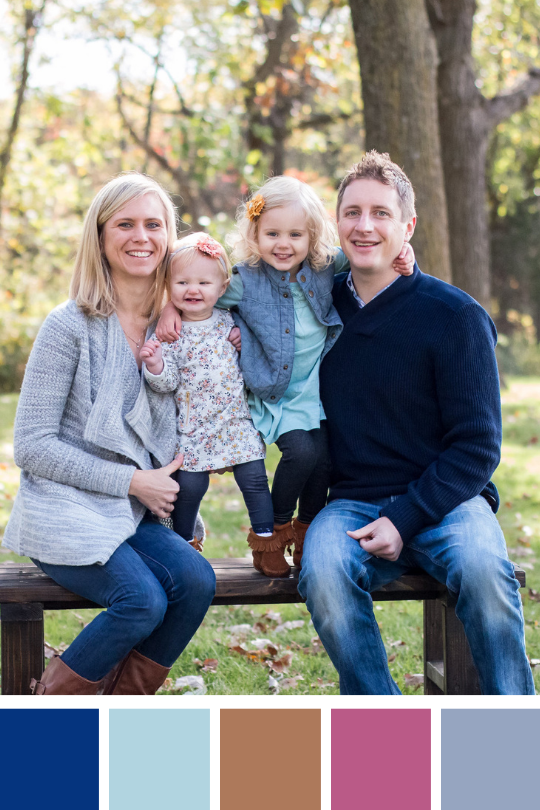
x,y
206,245
254,207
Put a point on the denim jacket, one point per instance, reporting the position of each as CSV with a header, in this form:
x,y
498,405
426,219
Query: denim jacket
x,y
265,316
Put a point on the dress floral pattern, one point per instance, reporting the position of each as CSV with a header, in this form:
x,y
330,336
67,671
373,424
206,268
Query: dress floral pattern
x,y
214,427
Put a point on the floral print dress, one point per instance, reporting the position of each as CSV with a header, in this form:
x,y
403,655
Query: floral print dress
x,y
214,427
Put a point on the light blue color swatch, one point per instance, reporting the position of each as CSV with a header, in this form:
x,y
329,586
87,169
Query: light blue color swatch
x,y
490,759
159,758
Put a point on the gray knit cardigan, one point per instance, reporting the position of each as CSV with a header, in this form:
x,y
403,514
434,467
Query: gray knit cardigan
x,y
85,422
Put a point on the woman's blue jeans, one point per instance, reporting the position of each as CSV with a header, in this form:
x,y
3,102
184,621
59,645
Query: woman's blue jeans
x,y
466,551
156,589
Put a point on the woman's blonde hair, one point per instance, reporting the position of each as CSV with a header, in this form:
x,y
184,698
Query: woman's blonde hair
x,y
182,254
91,284
277,193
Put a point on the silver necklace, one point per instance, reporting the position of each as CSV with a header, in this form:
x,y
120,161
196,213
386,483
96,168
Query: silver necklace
x,y
137,343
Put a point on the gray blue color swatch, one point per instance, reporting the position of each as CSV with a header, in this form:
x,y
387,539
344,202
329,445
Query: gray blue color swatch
x,y
490,759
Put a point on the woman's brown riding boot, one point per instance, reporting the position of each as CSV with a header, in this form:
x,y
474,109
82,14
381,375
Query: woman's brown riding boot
x,y
300,530
136,675
269,552
59,679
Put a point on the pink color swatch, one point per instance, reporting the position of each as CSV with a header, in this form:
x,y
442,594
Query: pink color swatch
x,y
381,758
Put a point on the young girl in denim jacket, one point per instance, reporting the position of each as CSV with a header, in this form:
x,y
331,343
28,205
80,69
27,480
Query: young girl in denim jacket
x,y
281,298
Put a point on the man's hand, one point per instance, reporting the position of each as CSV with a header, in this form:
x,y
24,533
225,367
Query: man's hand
x,y
235,338
169,324
380,538
404,264
151,354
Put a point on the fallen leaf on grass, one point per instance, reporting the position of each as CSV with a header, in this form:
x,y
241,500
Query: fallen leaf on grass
x,y
259,627
392,657
414,680
49,651
208,665
290,683
316,645
271,616
398,643
534,595
535,662
239,629
195,683
254,655
321,684
281,665
289,626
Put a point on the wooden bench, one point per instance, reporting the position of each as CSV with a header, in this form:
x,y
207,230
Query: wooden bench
x,y
25,592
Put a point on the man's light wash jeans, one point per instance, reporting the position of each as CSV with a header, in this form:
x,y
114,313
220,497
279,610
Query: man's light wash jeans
x,y
466,552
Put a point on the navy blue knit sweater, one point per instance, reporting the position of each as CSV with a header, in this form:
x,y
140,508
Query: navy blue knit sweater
x,y
411,394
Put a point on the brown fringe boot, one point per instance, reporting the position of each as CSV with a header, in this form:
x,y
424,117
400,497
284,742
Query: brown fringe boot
x,y
269,552
300,530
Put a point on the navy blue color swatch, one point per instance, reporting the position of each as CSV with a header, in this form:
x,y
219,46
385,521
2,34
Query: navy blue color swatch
x,y
50,759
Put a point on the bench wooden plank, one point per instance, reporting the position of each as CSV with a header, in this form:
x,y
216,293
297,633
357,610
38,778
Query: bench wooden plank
x,y
25,592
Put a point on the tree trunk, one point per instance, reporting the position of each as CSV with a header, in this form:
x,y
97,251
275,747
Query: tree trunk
x,y
464,132
398,67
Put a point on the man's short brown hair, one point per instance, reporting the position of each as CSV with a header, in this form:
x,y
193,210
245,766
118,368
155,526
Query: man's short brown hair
x,y
377,166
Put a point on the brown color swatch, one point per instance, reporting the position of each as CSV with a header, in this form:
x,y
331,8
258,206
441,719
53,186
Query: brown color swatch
x,y
270,758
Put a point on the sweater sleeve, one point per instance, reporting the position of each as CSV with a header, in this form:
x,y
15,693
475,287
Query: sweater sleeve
x,y
169,379
45,391
467,385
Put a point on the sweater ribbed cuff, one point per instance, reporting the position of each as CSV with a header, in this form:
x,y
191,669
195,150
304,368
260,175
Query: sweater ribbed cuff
x,y
406,517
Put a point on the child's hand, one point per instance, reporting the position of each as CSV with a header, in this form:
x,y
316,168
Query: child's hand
x,y
235,338
404,263
151,354
169,324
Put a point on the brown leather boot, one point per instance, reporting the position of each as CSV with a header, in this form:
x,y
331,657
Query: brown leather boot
x,y
59,679
300,530
269,552
136,675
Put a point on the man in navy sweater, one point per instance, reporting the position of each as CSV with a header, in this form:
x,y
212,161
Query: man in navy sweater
x,y
411,396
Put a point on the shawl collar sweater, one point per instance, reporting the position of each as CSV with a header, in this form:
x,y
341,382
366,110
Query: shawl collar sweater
x,y
411,395
85,422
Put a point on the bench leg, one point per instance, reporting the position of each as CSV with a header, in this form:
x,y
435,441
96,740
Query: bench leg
x,y
433,648
448,665
21,647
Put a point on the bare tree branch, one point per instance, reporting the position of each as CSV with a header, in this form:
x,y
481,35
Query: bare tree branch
x,y
278,34
323,119
502,106
32,22
151,91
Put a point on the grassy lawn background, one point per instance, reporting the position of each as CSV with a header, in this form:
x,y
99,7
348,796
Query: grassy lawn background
x,y
295,662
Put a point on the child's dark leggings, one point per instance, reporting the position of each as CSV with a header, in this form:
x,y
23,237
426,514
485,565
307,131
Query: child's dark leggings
x,y
253,483
302,475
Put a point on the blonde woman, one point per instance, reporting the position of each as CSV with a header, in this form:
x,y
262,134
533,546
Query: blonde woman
x,y
96,450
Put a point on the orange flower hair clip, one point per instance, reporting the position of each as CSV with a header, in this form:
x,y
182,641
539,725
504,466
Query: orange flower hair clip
x,y
254,207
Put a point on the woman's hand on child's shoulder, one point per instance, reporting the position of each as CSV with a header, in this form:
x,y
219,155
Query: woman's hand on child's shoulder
x,y
404,263
235,338
151,354
169,325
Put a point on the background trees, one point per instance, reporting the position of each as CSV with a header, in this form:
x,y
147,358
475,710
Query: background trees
x,y
213,97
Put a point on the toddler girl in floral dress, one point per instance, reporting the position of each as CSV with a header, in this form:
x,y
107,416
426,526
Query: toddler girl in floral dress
x,y
214,426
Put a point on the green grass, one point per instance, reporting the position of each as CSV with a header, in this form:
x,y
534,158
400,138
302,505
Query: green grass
x,y
310,670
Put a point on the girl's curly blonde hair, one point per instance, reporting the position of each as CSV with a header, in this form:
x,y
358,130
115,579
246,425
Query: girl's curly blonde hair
x,y
277,193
